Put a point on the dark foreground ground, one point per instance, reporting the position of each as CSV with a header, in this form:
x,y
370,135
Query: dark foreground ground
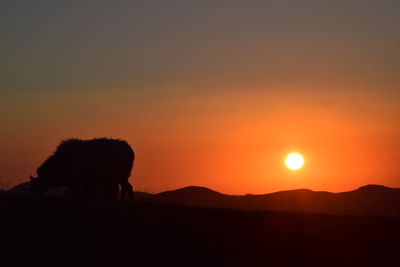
x,y
50,232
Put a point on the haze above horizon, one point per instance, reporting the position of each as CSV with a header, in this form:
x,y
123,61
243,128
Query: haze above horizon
x,y
209,93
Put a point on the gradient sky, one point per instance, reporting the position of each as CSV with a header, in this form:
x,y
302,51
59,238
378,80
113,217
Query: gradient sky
x,y
208,93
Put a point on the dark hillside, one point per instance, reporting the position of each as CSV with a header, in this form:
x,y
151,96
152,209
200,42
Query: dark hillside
x,y
50,232
367,200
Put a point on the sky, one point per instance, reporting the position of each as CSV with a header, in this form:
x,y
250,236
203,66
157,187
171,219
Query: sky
x,y
208,93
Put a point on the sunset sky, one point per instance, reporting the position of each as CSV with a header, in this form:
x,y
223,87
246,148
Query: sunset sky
x,y
208,93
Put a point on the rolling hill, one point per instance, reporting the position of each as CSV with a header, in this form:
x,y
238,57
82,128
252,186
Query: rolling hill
x,y
366,200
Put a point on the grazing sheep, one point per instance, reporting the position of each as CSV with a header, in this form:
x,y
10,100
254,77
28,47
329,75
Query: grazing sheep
x,y
91,166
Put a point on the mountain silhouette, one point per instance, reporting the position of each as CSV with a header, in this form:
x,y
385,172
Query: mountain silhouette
x,y
197,226
23,189
366,200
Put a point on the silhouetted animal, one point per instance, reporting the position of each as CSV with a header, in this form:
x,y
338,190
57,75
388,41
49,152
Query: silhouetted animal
x,y
79,164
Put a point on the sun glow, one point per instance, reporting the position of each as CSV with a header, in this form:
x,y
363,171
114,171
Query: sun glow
x,y
294,161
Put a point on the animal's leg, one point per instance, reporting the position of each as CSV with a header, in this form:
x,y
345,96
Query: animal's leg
x,y
115,189
111,190
123,192
130,191
126,188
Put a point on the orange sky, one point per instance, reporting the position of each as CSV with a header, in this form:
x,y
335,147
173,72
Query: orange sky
x,y
233,142
210,93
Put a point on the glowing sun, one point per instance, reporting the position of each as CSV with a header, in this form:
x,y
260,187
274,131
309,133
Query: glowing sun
x,y
294,161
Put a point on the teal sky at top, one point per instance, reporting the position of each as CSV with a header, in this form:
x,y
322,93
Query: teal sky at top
x,y
212,93
83,45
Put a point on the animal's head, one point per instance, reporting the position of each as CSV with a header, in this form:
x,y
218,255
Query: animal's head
x,y
37,187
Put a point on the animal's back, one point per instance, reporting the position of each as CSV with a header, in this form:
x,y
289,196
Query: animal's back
x,y
76,159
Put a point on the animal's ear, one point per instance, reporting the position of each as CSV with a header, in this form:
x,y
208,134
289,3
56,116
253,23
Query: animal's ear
x,y
32,178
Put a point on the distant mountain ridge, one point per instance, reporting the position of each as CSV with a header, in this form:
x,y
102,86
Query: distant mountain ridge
x,y
366,200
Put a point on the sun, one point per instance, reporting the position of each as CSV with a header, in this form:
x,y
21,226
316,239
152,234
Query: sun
x,y
294,161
